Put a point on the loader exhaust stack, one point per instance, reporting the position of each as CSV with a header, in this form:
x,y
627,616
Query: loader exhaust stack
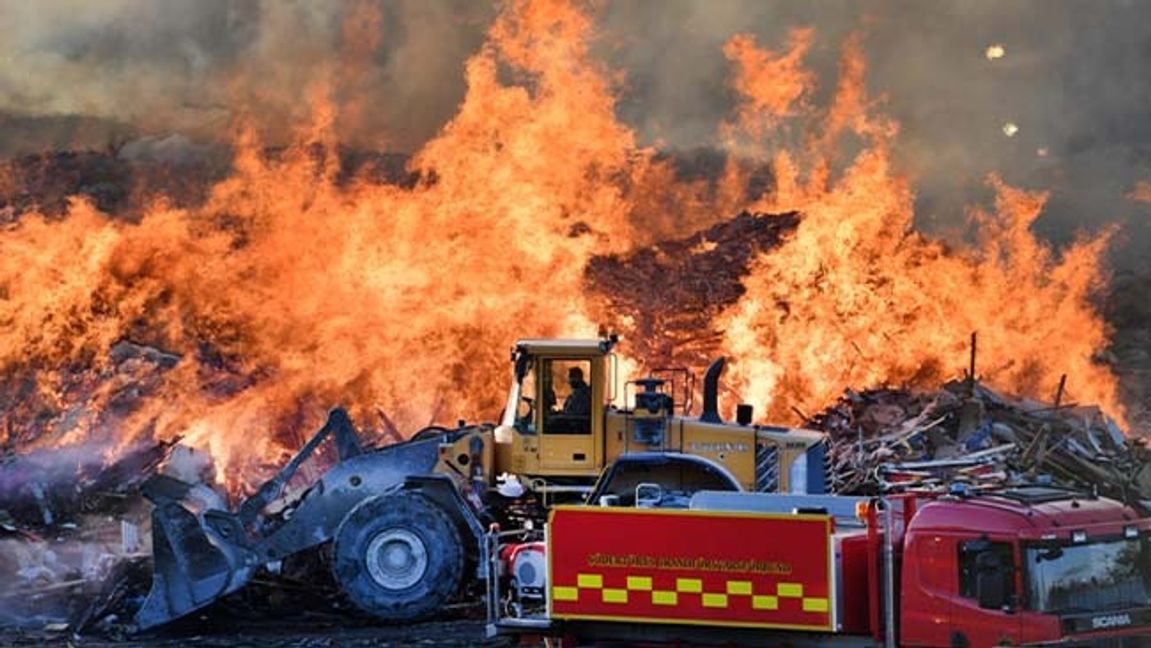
x,y
710,413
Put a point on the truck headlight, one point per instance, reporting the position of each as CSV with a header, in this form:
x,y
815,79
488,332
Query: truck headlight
x,y
797,475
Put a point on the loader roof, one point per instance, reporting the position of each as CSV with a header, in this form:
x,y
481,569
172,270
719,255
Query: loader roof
x,y
554,346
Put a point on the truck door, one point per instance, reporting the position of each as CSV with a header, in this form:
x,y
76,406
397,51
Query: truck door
x,y
572,415
927,590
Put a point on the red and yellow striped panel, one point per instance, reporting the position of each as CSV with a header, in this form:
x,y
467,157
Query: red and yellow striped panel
x,y
697,567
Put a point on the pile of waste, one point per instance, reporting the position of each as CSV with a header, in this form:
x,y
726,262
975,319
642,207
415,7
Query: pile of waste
x,y
968,429
666,298
68,520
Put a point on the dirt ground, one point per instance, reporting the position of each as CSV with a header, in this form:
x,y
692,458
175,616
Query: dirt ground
x,y
296,631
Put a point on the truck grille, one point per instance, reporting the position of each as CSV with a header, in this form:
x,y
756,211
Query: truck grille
x,y
766,468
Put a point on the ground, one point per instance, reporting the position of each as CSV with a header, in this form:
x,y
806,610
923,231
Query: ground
x,y
299,631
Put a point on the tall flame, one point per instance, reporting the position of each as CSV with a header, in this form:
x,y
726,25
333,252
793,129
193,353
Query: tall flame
x,y
292,289
859,298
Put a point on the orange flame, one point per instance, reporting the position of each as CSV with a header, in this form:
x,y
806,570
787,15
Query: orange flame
x,y
859,298
291,289
1141,192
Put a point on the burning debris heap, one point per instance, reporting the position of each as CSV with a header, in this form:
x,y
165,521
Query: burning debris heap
x,y
67,521
666,297
988,437
41,408
121,180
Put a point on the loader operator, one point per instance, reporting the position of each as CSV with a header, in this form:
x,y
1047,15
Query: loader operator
x,y
578,402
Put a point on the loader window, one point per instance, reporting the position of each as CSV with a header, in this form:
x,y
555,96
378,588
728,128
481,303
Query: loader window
x,y
567,395
526,397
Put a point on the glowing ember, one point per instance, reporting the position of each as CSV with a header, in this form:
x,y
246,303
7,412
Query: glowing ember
x,y
1141,192
289,291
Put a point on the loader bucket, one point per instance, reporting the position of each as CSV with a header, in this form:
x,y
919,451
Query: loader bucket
x,y
189,571
202,551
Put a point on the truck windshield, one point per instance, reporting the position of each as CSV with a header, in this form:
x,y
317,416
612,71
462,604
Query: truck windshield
x,y
1089,577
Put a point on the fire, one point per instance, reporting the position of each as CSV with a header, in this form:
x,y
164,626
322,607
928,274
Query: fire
x,y
1141,192
290,289
859,298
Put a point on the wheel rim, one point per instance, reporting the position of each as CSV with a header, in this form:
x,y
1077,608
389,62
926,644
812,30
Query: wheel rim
x,y
397,559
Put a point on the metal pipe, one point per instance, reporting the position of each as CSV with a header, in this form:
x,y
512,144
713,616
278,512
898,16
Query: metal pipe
x,y
888,574
491,553
971,368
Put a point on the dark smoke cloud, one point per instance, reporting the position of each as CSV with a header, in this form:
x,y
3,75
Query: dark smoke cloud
x,y
1072,80
148,66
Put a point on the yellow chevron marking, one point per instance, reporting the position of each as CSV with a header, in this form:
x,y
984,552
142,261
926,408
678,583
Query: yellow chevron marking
x,y
689,585
611,595
591,581
789,590
739,587
815,605
764,602
565,593
663,597
639,583
715,600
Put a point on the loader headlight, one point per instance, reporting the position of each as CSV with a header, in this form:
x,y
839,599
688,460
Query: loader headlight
x,y
797,475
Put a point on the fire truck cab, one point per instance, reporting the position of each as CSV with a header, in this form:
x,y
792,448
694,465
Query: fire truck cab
x,y
1024,565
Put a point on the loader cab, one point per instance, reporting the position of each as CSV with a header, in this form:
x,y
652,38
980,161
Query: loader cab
x,y
555,410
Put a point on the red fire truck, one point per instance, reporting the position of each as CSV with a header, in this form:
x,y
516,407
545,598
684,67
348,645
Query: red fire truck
x,y
1025,565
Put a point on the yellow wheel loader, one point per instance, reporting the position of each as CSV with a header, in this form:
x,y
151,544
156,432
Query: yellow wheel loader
x,y
407,522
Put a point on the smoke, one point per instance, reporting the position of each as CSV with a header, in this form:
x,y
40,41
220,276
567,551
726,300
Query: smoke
x,y
1071,80
151,66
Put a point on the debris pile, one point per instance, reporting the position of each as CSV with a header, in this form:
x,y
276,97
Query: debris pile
x,y
67,521
664,299
988,435
120,180
46,492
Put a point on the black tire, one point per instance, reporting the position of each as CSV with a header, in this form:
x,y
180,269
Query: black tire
x,y
398,557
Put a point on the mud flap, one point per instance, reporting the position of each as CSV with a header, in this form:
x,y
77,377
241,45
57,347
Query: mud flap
x,y
188,570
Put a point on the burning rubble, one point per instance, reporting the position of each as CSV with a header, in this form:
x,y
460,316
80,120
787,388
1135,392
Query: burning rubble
x,y
991,438
227,314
